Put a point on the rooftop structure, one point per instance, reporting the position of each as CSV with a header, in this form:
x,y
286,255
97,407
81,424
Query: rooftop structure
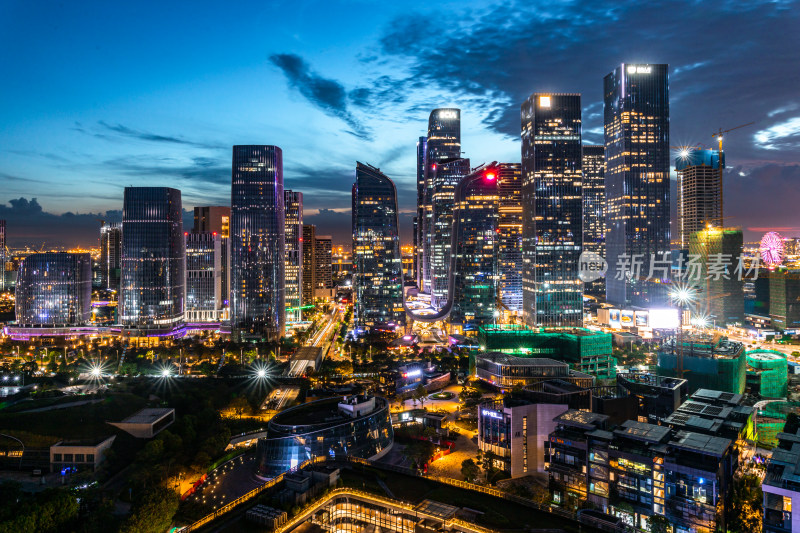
x,y
714,413
507,371
659,396
767,373
147,423
710,362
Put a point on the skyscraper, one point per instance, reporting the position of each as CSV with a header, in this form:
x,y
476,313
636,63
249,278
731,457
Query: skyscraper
x,y
474,263
110,256
257,243
378,280
444,177
444,143
552,206
509,237
54,289
2,254
153,284
594,210
309,263
204,298
699,192
422,147
293,205
323,267
217,219
636,126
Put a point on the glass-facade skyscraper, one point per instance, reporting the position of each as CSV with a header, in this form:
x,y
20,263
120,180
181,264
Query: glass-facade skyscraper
x,y
257,243
594,210
636,128
443,143
54,289
378,280
293,206
309,279
552,207
474,263
509,237
153,260
422,147
204,302
444,176
110,256
217,219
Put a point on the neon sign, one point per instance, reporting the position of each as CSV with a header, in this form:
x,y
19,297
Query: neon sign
x,y
491,414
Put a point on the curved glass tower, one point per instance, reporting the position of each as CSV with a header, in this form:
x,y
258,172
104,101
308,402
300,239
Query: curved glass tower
x,y
443,143
257,243
54,289
378,266
153,259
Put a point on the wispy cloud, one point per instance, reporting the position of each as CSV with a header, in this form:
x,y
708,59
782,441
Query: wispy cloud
x,y
785,134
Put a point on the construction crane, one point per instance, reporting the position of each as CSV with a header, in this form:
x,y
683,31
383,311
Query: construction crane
x,y
719,136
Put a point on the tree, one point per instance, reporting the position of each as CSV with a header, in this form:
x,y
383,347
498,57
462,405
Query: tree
x,y
469,470
745,509
152,511
239,405
659,524
420,394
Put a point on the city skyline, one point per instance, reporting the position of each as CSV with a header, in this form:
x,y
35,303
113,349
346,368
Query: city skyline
x,y
366,95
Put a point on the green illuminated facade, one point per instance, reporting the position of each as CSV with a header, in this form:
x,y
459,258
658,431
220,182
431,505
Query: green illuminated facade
x,y
767,373
708,363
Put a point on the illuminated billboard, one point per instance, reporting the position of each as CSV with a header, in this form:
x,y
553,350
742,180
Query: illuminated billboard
x,y
642,319
664,318
613,318
626,318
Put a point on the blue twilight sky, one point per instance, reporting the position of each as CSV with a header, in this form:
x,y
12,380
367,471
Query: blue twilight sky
x,y
96,96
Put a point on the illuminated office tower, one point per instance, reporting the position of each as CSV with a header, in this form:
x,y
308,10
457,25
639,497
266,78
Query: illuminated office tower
x,y
110,256
444,143
323,267
444,177
594,210
474,263
2,254
293,206
257,243
378,280
217,219
309,263
720,298
552,207
204,301
509,238
699,191
422,147
54,289
636,125
153,284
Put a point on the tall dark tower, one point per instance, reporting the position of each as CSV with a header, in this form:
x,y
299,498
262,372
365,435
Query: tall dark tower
x,y
594,210
422,147
509,238
378,268
153,261
636,125
293,205
444,143
257,243
552,203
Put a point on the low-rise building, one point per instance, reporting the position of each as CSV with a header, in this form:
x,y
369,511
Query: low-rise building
x,y
717,413
79,455
639,470
514,431
659,396
508,371
781,486
147,423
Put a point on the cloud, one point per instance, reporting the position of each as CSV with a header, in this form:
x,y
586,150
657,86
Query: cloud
x,y
121,131
775,205
326,94
783,135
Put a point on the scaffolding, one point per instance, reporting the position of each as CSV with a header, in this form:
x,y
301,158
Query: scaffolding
x,y
771,420
708,363
767,373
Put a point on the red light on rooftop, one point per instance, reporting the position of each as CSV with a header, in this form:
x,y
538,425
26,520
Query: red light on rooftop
x,y
490,176
433,167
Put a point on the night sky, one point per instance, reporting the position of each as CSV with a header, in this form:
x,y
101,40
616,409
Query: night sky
x,y
96,96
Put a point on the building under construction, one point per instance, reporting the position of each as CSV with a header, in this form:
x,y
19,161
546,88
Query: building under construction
x,y
767,373
721,294
706,362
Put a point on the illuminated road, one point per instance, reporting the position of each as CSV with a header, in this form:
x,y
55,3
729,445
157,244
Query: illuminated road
x,y
322,338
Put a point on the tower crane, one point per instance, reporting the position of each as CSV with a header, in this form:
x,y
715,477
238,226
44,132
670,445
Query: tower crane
x,y
719,134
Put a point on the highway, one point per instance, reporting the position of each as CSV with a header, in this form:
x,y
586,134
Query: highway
x,y
322,338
